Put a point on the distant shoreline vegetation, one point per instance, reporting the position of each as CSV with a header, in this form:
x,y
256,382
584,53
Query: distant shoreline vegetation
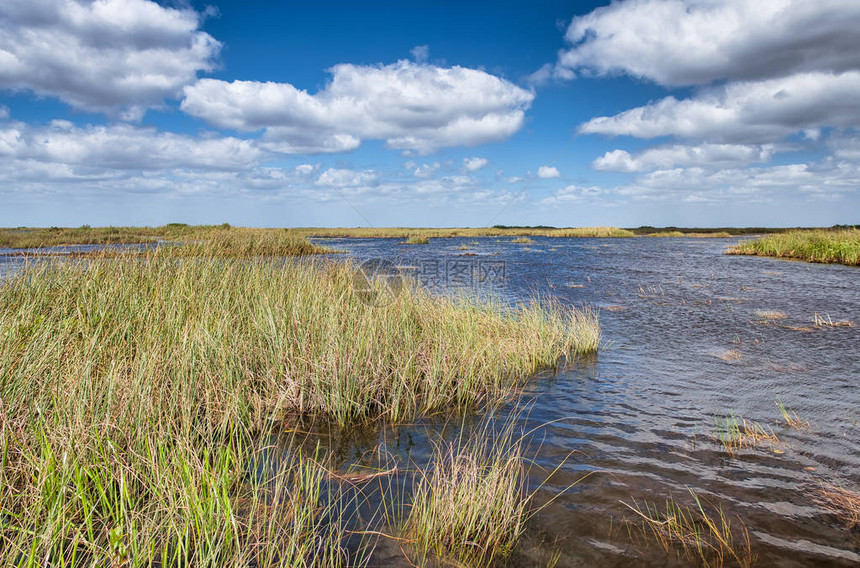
x,y
291,241
839,246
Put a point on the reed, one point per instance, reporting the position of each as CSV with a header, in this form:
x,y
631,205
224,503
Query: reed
x,y
840,502
736,433
828,246
523,240
711,235
694,533
791,417
472,503
417,240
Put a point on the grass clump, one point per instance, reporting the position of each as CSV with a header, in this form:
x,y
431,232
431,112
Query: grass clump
x,y
825,320
471,506
694,533
829,246
736,433
523,240
840,502
791,417
416,240
769,315
249,243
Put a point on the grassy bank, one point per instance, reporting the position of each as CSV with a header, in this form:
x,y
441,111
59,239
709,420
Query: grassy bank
x,y
829,246
135,393
177,232
199,240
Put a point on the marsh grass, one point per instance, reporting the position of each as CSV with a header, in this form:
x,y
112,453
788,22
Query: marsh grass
x,y
404,232
791,418
416,240
523,240
840,502
694,533
713,235
769,315
134,390
471,505
829,246
736,433
821,321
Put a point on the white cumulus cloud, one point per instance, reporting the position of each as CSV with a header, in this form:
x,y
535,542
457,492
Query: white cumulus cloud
x,y
703,155
696,42
756,111
414,107
548,172
474,164
113,56
122,147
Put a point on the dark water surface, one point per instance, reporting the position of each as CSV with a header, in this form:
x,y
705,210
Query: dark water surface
x,y
684,345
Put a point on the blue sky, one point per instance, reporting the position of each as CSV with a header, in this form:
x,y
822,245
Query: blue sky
x,y
657,112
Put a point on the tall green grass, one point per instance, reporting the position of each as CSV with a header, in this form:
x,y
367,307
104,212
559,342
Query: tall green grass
x,y
471,505
829,246
135,390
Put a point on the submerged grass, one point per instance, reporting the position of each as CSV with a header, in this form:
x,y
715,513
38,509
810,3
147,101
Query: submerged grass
x,y
840,502
735,433
134,391
791,418
694,533
829,246
472,504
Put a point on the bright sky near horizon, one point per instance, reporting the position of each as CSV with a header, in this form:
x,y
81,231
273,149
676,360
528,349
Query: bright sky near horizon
x,y
638,112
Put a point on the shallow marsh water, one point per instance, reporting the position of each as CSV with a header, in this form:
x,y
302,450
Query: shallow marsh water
x,y
685,342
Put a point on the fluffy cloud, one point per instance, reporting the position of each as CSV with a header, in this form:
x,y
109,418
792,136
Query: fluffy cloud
x,y
572,194
704,155
334,177
825,179
548,172
414,107
474,164
696,42
116,56
754,112
122,147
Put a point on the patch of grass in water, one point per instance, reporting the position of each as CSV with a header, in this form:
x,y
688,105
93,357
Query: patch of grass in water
x,y
791,417
694,533
735,433
828,246
471,505
769,315
840,502
416,240
523,240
